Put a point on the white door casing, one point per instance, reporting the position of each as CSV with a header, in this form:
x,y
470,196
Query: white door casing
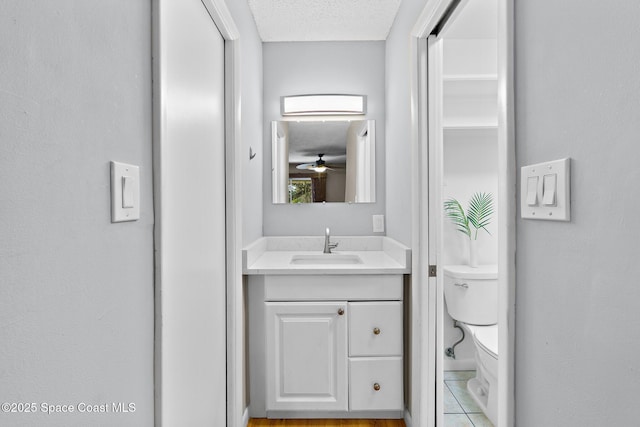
x,y
435,152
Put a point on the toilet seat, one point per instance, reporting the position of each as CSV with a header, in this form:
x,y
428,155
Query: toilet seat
x,y
486,337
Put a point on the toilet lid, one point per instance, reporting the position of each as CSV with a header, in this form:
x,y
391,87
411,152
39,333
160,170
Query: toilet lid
x,y
486,337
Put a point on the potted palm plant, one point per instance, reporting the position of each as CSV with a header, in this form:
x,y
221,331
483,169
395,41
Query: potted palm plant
x,y
477,217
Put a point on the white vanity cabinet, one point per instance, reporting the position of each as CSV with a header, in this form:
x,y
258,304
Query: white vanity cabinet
x,y
326,346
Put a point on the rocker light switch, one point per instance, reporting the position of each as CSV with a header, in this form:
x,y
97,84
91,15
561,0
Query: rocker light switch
x,y
128,183
549,190
545,190
532,191
125,192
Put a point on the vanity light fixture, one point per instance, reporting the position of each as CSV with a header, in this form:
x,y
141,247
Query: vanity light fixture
x,y
323,105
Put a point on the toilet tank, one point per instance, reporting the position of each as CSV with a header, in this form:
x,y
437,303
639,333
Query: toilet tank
x,y
471,293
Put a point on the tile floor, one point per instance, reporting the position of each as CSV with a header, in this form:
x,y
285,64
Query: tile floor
x,y
460,410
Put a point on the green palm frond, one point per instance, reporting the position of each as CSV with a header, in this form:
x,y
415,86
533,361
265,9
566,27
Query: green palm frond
x,y
454,211
480,211
478,214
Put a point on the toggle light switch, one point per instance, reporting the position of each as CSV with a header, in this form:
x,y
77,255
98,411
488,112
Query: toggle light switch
x,y
532,191
549,190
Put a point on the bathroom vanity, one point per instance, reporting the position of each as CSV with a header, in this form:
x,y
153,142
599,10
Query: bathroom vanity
x,y
325,331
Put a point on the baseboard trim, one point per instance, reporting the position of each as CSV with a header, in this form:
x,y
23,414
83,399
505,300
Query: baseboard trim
x,y
407,418
391,415
245,417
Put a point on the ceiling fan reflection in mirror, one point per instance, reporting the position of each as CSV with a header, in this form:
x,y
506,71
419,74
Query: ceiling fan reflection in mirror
x,y
319,165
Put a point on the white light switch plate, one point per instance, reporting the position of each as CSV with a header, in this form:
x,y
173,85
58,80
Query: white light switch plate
x,y
125,191
547,199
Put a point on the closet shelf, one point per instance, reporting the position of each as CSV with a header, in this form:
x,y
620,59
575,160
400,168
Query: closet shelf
x,y
474,135
470,85
457,127
470,77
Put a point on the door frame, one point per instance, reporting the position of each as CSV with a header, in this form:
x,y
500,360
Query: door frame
x,y
427,353
221,17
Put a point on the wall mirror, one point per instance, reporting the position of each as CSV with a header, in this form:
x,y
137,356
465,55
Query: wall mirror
x,y
323,161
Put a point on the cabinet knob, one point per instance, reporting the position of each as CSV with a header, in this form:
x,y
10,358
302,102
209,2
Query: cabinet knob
x,y
376,331
376,387
341,311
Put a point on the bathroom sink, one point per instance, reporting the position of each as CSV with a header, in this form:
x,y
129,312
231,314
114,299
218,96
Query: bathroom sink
x,y
303,255
326,259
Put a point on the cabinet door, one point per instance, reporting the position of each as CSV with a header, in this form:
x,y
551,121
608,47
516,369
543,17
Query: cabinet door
x,y
306,358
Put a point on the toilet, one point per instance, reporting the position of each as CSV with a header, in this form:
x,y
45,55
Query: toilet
x,y
471,295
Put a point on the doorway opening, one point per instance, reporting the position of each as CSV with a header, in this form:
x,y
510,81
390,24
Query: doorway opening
x,y
463,122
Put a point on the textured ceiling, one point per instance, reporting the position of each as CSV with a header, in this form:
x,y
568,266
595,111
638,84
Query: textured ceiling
x,y
323,20
308,139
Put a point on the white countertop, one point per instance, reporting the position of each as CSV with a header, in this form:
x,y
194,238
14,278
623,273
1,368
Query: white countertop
x,y
273,255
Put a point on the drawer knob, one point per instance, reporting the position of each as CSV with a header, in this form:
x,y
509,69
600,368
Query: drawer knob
x,y
376,387
341,311
376,331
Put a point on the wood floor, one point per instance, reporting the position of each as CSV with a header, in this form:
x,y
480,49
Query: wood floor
x,y
263,422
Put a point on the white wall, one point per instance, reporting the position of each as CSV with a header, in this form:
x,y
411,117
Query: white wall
x,y
398,122
250,46
578,298
76,292
251,113
323,67
350,185
470,167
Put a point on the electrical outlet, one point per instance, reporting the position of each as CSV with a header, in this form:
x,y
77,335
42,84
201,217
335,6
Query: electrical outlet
x,y
378,223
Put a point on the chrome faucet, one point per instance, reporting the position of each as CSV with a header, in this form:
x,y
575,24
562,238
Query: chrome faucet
x,y
328,246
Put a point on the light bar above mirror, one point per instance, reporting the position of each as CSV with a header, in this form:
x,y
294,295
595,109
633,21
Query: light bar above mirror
x,y
323,105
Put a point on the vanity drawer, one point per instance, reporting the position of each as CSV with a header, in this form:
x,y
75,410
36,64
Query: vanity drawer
x,y
375,383
375,328
332,287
